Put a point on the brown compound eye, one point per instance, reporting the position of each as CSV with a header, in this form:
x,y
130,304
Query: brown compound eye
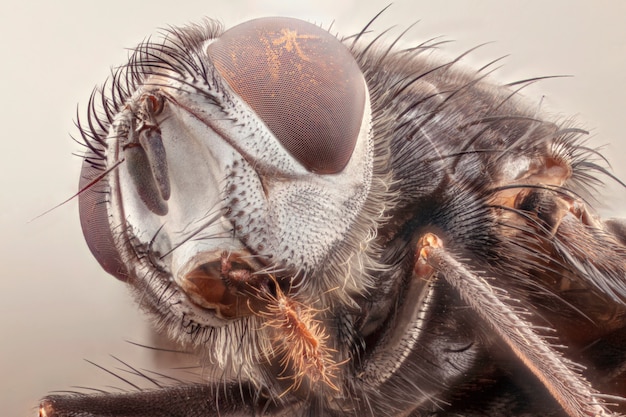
x,y
94,220
301,81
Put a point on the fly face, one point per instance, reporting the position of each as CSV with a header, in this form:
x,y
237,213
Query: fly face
x,y
347,229
219,159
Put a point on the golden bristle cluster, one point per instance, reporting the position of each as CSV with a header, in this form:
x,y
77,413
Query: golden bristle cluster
x,y
299,340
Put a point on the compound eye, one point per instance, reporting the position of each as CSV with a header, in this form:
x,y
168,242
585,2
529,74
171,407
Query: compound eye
x,y
301,81
94,220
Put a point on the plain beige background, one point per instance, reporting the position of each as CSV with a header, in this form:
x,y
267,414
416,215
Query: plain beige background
x,y
56,306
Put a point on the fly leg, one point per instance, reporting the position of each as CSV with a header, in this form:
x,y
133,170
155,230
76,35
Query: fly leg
x,y
574,394
231,400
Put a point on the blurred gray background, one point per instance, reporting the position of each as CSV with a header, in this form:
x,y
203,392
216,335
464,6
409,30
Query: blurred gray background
x,y
56,306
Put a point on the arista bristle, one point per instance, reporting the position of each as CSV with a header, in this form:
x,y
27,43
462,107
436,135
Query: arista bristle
x,y
299,339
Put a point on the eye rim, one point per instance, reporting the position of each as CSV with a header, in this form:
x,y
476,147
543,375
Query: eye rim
x,y
338,74
94,221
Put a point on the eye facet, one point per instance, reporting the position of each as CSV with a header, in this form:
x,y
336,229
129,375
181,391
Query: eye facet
x,y
301,81
94,220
